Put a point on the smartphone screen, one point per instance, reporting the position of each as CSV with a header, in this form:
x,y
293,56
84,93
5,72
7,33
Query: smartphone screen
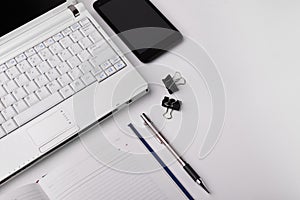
x,y
144,29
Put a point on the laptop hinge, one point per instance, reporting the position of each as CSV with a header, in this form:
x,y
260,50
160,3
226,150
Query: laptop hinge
x,y
74,10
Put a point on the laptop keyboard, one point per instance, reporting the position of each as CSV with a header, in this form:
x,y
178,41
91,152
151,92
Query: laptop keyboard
x,y
50,72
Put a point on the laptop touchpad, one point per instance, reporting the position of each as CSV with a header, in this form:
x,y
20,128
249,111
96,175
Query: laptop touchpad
x,y
52,130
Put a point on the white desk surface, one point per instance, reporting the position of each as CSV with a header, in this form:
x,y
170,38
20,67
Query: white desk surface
x,y
255,45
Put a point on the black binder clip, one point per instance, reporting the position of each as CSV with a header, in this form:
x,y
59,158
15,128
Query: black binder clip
x,y
171,105
172,83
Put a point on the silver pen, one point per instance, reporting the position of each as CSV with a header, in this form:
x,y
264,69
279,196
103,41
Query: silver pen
x,y
193,174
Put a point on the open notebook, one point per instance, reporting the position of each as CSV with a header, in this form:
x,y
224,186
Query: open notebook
x,y
89,179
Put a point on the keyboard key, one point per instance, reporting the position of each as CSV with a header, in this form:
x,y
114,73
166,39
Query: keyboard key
x,y
38,108
84,22
96,70
58,37
115,59
105,65
63,68
66,91
3,78
8,100
75,26
41,80
9,126
76,36
66,42
12,72
20,106
42,93
53,86
30,87
31,99
75,49
49,42
8,113
30,52
45,54
74,62
11,63
23,66
21,80
32,73
55,48
75,73
109,71
3,68
94,49
43,67
19,93
101,76
120,65
88,79
87,29
67,32
10,86
54,61
35,60
52,74
39,47
77,85
84,56
65,55
85,43
96,61
85,67
64,80
20,57
95,36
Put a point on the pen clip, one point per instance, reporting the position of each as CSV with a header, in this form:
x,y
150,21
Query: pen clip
x,y
149,123
158,139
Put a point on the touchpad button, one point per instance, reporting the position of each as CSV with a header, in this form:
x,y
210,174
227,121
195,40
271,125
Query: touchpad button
x,y
52,127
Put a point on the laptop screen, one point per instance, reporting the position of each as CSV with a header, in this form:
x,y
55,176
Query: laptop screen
x,y
21,12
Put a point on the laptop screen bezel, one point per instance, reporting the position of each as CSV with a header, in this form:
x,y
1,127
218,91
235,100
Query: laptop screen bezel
x,y
26,27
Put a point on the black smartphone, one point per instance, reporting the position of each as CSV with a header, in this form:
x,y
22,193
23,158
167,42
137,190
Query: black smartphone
x,y
141,26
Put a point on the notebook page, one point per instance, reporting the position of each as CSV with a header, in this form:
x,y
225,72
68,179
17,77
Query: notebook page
x,y
91,180
112,185
28,192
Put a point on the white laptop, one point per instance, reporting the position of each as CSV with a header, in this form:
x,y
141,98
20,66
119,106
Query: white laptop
x,y
59,75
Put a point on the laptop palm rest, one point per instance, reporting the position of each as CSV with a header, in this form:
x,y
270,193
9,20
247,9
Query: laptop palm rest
x,y
52,130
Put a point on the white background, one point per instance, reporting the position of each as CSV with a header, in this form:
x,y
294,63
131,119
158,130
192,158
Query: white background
x,y
255,45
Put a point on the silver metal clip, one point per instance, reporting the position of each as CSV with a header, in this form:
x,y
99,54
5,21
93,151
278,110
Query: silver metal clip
x,y
172,82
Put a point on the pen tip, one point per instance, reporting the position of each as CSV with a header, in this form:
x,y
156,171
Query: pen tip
x,y
203,186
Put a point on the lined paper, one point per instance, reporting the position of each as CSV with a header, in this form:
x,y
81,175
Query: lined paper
x,y
91,180
28,192
114,185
